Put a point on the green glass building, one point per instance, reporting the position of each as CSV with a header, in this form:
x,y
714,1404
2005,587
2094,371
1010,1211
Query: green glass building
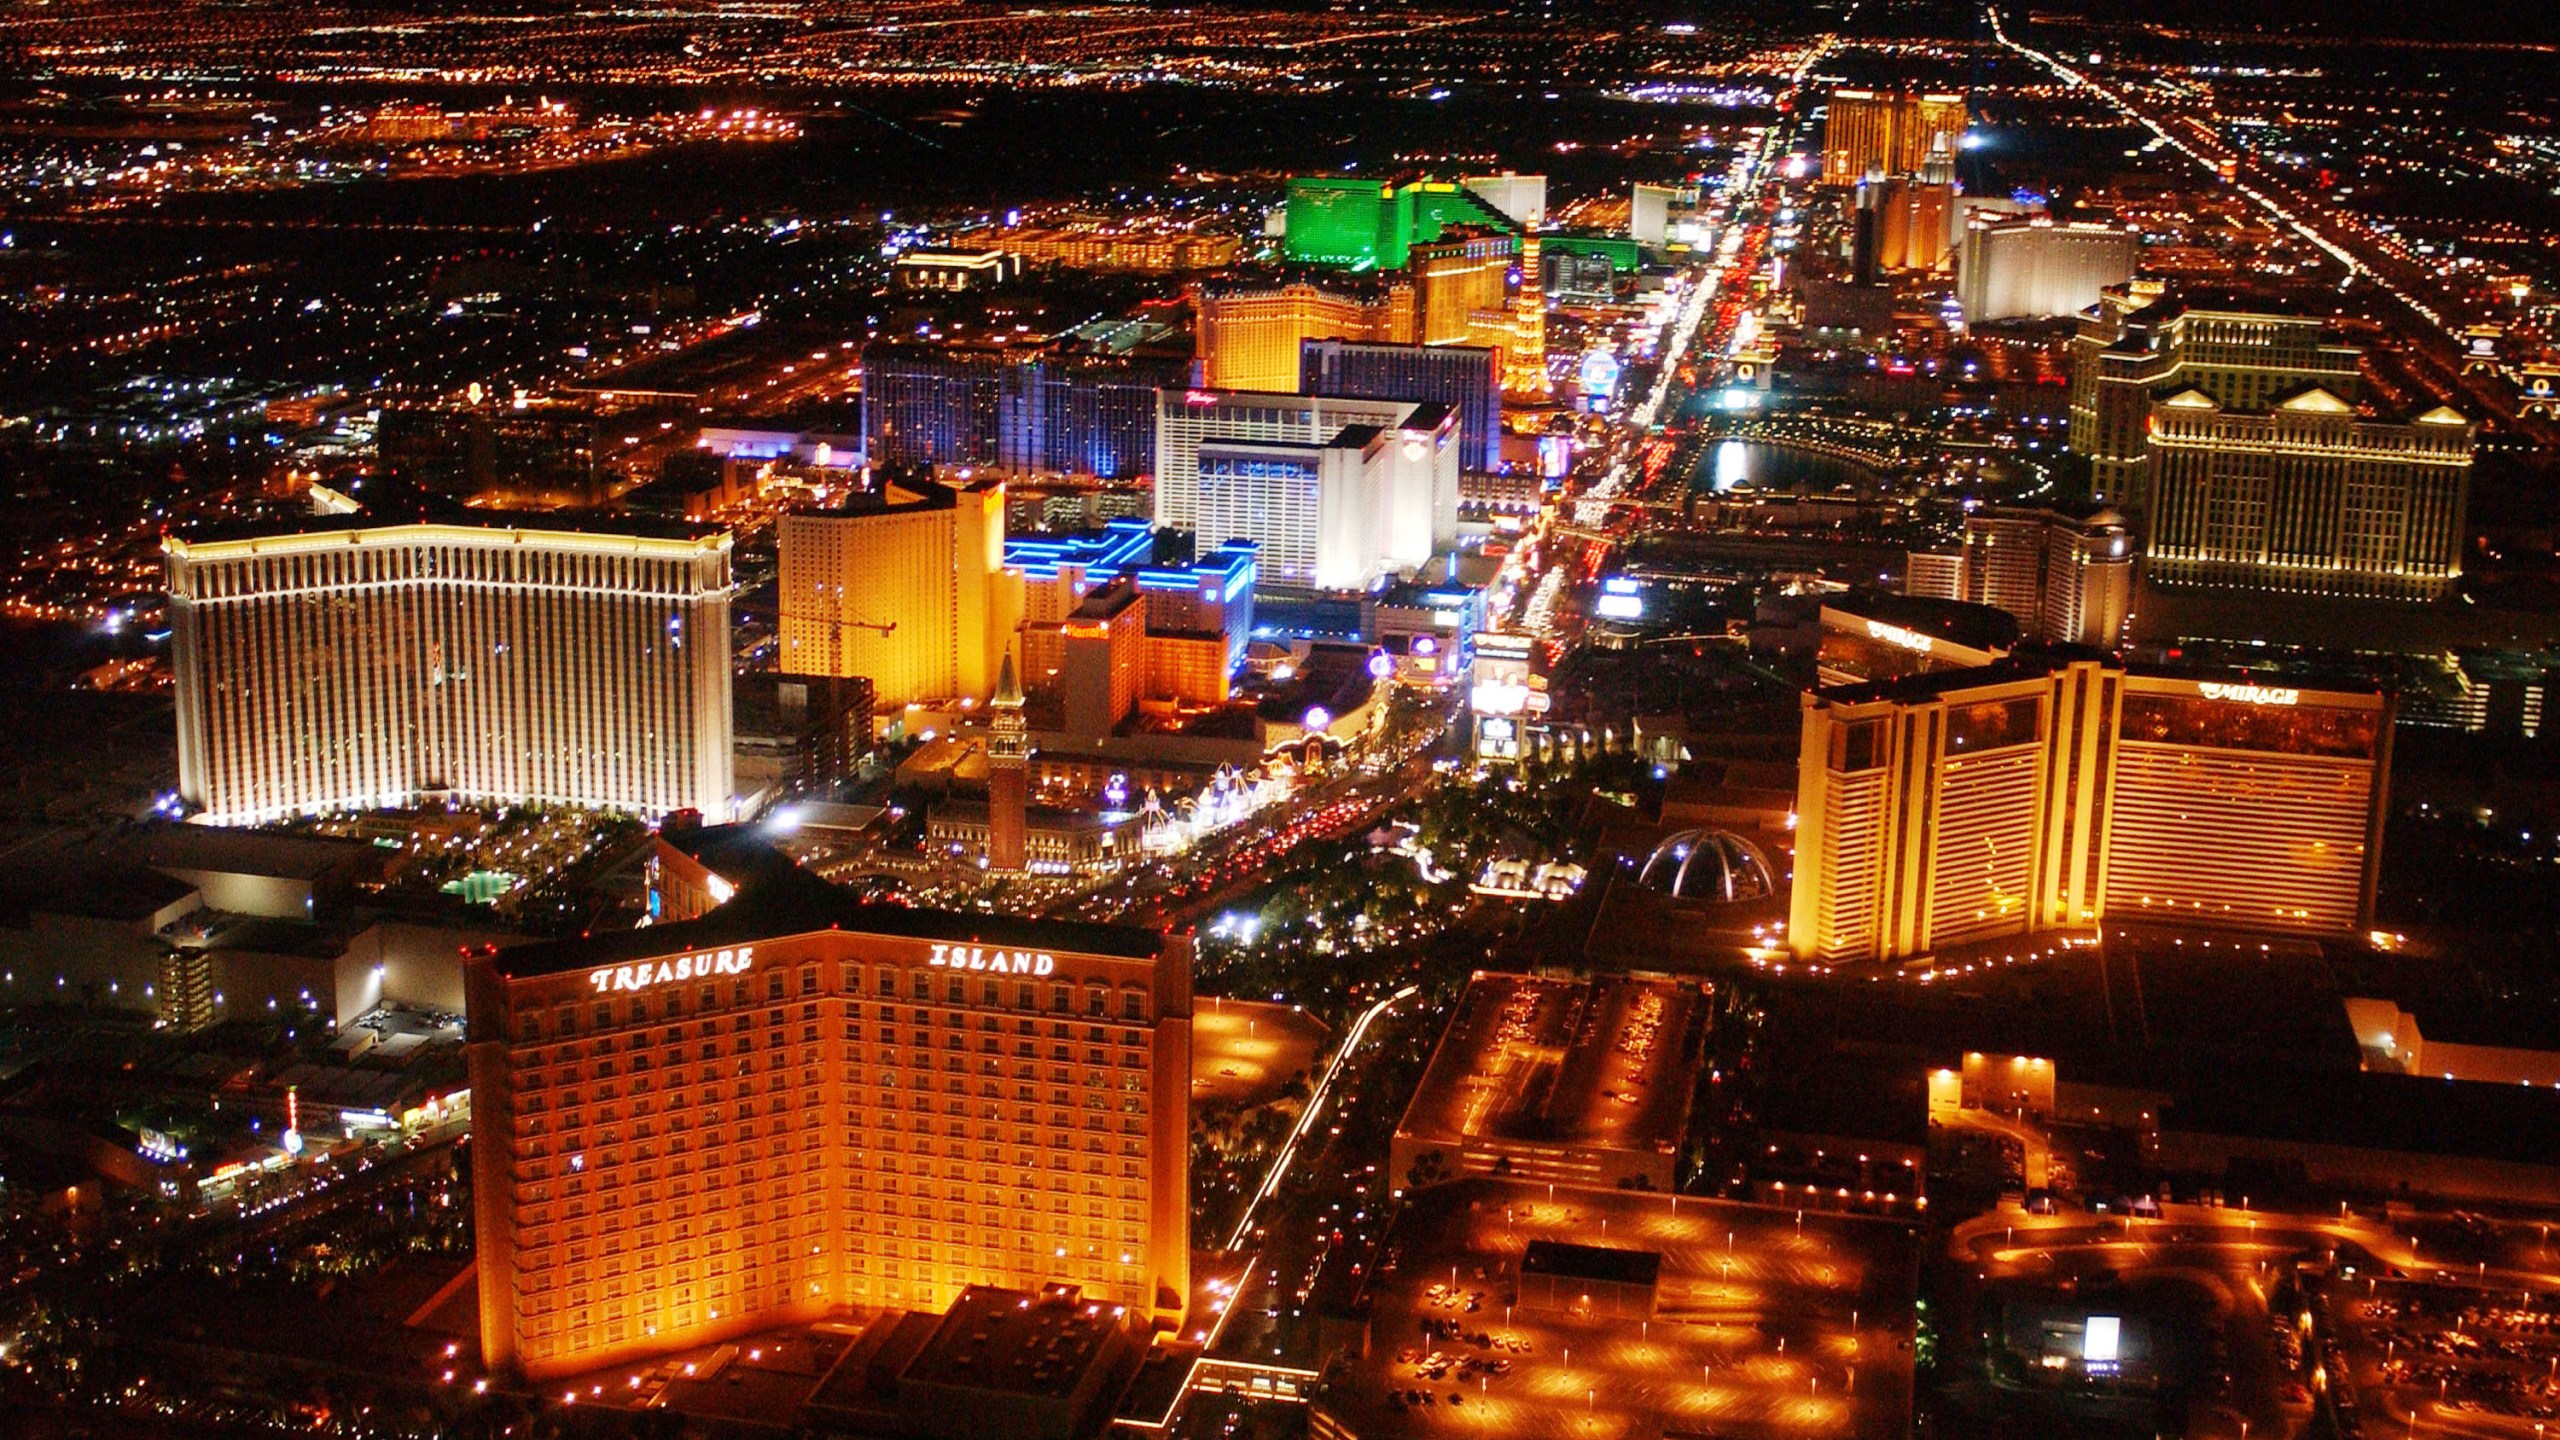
x,y
1363,225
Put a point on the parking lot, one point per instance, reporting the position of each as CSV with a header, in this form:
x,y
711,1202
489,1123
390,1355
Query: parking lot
x,y
1761,1323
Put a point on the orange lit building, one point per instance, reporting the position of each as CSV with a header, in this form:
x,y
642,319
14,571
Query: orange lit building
x,y
1525,367
1086,247
1898,132
1462,285
1968,805
1188,667
908,589
1915,227
1250,333
799,1106
1103,659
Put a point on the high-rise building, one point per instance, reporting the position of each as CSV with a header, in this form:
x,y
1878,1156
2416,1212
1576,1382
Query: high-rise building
x,y
932,404
1934,574
1086,415
1338,513
797,1106
186,990
1365,225
1897,132
1521,199
1970,805
1461,288
1342,220
1011,410
1466,378
355,666
1658,215
1008,775
908,588
1199,615
2306,497
800,735
2033,266
2138,344
2066,574
1914,223
1185,419
1102,663
1211,600
1250,332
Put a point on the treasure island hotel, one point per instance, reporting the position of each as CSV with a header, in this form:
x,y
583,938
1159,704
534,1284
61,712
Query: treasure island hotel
x,y
350,666
798,1106
1967,805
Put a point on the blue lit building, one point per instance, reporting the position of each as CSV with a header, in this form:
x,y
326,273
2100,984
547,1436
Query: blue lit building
x,y
1020,411
1466,378
1188,602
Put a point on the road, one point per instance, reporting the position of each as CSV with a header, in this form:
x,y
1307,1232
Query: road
x,y
1529,590
2433,316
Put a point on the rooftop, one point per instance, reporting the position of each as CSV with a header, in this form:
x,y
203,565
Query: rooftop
x,y
798,903
1568,1261
617,533
1976,627
1012,1340
1605,1063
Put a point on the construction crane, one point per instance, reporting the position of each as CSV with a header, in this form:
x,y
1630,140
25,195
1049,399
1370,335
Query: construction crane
x,y
836,626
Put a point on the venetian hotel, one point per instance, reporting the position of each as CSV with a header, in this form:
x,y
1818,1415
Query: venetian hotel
x,y
799,1106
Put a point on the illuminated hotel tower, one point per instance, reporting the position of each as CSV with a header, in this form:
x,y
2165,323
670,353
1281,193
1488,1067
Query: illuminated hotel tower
x,y
1250,332
2140,344
907,589
798,1105
362,667
2307,497
1008,780
1894,131
1970,805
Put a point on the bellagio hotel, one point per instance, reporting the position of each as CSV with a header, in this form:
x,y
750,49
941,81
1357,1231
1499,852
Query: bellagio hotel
x,y
800,1106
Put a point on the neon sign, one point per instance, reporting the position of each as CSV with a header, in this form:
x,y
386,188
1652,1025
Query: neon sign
x,y
1002,962
2248,694
1896,635
667,972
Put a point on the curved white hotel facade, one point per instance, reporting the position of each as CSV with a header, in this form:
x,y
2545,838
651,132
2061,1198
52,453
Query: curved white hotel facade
x,y
355,668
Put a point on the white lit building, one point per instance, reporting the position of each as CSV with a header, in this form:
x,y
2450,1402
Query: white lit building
x,y
356,668
2031,266
1337,493
1185,419
1522,199
1341,514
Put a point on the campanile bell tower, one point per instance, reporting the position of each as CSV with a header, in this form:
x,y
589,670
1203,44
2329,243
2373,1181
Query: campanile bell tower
x,y
1008,775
